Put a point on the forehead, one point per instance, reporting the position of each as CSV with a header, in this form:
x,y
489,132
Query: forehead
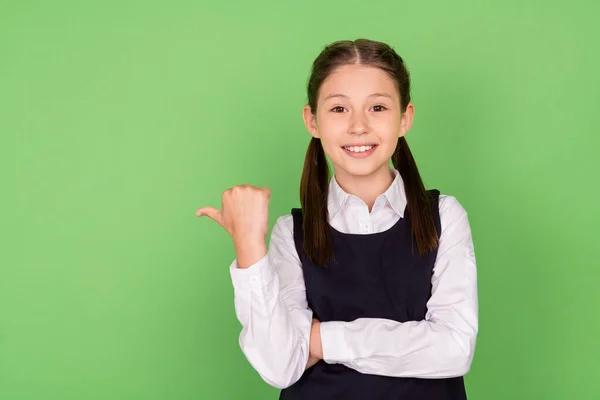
x,y
357,80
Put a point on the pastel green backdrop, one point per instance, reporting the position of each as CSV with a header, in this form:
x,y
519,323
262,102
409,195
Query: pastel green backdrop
x,y
119,119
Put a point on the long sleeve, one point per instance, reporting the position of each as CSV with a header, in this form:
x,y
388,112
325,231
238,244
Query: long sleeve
x,y
270,303
440,346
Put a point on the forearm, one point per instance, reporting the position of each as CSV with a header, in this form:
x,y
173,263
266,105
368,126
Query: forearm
x,y
421,349
275,330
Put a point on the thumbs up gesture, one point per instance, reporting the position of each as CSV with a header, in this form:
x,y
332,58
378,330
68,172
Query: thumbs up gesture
x,y
244,214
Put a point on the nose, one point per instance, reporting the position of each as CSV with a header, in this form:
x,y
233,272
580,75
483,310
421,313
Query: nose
x,y
358,124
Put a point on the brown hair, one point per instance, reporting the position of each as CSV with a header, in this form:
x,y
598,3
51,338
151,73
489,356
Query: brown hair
x,y
318,244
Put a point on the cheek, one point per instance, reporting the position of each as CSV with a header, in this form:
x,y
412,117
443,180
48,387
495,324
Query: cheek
x,y
328,122
329,144
388,125
331,129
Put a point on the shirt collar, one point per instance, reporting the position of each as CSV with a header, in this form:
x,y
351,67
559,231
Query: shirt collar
x,y
394,196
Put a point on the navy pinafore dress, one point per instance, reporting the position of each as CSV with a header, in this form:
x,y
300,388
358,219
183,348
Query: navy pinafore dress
x,y
375,276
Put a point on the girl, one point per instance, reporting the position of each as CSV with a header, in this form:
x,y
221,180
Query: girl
x,y
368,291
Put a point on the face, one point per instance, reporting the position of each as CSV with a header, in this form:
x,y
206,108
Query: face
x,y
358,120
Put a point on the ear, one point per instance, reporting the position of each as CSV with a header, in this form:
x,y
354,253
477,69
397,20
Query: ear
x,y
407,119
310,121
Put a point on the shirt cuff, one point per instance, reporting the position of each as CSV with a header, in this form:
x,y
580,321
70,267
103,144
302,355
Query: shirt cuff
x,y
333,342
253,278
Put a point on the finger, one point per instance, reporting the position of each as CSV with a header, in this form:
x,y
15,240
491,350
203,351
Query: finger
x,y
212,213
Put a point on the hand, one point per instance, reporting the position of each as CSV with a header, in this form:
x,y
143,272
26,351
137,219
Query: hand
x,y
244,214
315,350
244,211
311,361
316,347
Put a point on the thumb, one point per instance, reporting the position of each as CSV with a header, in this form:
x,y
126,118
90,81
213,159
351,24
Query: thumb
x,y
212,213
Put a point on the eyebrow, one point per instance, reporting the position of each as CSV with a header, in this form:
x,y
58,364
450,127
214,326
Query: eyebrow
x,y
371,95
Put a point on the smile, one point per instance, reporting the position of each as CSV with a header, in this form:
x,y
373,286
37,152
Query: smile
x,y
359,151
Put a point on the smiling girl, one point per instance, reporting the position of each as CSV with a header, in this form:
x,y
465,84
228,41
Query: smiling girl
x,y
369,290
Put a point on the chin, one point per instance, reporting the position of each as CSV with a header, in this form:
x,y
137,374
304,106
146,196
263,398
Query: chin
x,y
366,169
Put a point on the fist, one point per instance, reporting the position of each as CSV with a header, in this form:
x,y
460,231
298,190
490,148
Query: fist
x,y
244,212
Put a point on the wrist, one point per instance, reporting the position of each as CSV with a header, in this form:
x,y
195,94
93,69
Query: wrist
x,y
249,251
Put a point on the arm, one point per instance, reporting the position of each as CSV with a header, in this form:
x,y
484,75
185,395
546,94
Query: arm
x,y
440,346
270,303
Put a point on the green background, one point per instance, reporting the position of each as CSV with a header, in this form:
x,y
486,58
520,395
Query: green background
x,y
119,120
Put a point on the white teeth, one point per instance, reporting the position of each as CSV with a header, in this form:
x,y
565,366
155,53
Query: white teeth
x,y
359,149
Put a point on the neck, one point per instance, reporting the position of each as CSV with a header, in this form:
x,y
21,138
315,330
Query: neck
x,y
366,187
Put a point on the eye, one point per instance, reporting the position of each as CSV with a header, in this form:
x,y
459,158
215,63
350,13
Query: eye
x,y
337,109
379,108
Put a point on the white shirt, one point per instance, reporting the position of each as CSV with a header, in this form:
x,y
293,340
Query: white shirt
x,y
270,302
